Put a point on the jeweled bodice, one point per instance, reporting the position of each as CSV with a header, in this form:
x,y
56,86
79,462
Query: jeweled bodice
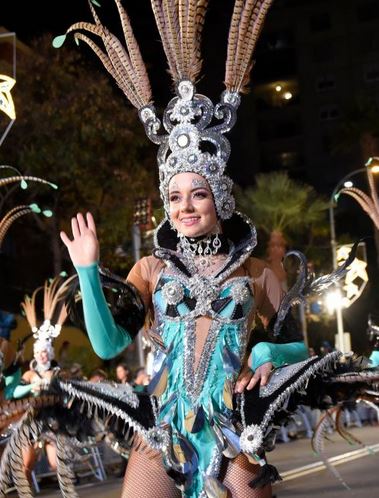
x,y
176,298
200,309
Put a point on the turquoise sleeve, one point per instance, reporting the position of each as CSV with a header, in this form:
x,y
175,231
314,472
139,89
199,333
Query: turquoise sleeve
x,y
21,391
11,383
374,359
107,338
278,354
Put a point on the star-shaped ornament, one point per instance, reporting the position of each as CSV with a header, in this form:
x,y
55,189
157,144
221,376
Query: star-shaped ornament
x,y
6,100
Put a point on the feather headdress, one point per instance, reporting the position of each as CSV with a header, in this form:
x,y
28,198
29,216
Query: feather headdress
x,y
54,313
189,117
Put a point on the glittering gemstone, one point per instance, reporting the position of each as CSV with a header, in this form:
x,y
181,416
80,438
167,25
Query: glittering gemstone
x,y
192,158
183,140
240,293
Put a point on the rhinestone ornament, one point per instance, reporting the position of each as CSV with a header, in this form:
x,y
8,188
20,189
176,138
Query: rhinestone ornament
x,y
173,292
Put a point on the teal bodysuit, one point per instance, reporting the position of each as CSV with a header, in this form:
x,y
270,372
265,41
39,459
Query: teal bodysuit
x,y
194,385
374,359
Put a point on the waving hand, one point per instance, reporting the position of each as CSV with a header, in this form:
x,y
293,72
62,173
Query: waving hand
x,y
84,248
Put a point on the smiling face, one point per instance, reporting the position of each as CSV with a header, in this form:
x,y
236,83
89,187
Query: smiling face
x,y
192,209
42,356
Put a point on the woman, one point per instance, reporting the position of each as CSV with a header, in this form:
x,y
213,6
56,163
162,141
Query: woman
x,y
201,286
123,373
196,337
42,369
43,366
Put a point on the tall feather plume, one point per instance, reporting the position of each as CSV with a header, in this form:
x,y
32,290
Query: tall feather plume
x,y
133,48
182,9
201,10
246,25
29,307
54,292
49,290
125,65
193,45
117,53
180,24
161,25
170,12
255,27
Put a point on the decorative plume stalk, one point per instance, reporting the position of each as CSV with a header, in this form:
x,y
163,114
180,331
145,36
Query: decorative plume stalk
x,y
10,217
23,181
246,25
17,212
124,64
369,204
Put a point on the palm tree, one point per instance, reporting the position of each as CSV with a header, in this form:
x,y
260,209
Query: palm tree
x,y
279,206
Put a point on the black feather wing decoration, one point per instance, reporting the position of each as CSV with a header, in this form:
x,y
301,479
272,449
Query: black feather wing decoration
x,y
124,301
306,284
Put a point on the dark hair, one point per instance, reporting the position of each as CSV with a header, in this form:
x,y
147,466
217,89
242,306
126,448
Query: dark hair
x,y
137,372
99,372
124,365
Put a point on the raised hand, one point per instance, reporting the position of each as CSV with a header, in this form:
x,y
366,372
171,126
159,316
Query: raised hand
x,y
84,248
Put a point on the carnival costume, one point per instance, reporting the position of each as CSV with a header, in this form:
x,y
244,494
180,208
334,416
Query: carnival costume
x,y
203,293
55,313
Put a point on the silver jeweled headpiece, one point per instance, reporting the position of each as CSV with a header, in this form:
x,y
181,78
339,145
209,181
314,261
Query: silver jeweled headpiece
x,y
188,117
187,121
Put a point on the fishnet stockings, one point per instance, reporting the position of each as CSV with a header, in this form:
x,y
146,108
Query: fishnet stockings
x,y
236,475
145,477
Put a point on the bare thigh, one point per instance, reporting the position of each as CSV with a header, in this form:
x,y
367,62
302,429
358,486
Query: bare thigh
x,y
146,477
236,476
51,453
29,457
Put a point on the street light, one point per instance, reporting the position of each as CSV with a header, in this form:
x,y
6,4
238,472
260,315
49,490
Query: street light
x,y
373,165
